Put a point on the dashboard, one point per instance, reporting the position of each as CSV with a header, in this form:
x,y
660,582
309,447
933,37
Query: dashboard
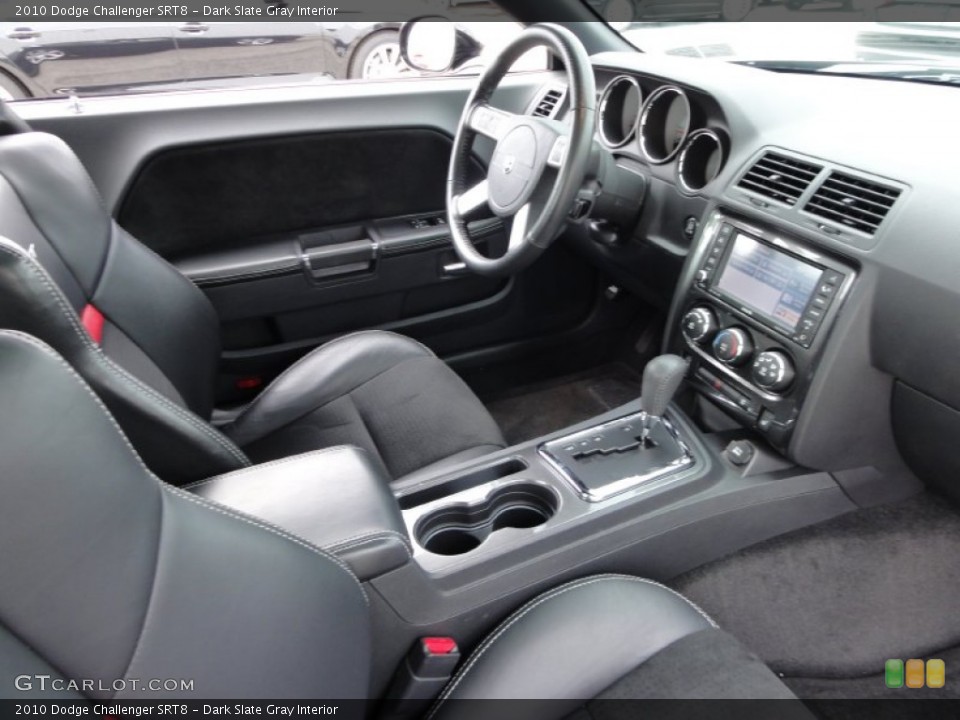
x,y
806,242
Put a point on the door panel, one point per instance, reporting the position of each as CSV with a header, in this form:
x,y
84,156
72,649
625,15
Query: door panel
x,y
201,198
308,212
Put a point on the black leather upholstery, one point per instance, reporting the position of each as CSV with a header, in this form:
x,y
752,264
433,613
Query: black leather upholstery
x,y
111,574
156,364
335,498
609,637
577,640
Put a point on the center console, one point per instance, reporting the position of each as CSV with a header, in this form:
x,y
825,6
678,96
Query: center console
x,y
753,320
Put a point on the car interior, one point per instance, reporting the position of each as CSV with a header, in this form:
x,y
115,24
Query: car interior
x,y
632,378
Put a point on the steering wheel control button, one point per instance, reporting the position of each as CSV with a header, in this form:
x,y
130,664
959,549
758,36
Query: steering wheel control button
x,y
733,346
700,324
773,371
558,152
487,121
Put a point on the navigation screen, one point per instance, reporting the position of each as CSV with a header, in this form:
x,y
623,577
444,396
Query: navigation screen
x,y
771,282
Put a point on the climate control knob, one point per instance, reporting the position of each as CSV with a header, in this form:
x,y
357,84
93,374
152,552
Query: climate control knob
x,y
773,370
700,324
733,346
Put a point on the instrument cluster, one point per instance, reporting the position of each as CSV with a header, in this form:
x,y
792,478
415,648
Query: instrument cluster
x,y
665,126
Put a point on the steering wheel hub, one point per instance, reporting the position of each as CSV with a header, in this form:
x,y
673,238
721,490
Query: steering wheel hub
x,y
513,173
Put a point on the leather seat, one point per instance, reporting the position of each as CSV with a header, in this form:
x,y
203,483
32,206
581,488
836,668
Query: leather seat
x,y
118,575
149,343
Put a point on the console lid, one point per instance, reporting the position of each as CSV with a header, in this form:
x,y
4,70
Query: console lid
x,y
335,498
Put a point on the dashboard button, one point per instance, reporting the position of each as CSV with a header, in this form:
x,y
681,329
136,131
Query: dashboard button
x,y
740,452
832,277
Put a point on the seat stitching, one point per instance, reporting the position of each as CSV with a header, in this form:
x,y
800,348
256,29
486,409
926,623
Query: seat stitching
x,y
519,614
365,538
104,360
274,463
269,527
313,352
177,491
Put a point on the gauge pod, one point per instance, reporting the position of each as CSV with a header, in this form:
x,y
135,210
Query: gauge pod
x,y
664,124
700,160
619,111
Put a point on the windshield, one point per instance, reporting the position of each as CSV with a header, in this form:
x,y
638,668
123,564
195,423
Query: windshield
x,y
910,50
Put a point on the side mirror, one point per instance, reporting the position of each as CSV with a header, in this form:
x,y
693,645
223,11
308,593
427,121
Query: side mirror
x,y
434,45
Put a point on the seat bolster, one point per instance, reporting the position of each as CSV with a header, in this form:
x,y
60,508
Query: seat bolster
x,y
573,642
329,372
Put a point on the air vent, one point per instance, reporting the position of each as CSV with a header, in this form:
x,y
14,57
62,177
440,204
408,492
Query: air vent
x,y
852,201
780,177
549,104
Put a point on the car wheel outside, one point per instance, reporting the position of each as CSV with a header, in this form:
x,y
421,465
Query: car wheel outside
x,y
378,58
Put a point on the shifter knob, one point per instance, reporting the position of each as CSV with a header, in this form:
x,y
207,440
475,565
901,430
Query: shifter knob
x,y
661,378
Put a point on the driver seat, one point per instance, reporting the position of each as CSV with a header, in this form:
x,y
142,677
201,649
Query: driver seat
x,y
147,341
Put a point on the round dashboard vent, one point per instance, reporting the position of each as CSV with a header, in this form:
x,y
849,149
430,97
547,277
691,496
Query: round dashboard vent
x,y
701,160
664,124
618,111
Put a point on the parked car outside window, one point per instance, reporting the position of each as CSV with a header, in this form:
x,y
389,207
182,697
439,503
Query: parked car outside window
x,y
51,59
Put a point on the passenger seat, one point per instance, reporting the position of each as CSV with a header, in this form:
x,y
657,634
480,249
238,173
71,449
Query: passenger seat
x,y
110,573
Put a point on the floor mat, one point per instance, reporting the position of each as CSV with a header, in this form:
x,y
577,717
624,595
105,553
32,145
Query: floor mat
x,y
536,410
839,599
873,687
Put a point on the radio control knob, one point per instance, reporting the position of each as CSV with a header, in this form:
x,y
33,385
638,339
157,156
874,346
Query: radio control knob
x,y
700,324
733,346
773,370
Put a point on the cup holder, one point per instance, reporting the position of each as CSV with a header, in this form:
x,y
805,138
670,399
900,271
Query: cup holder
x,y
460,528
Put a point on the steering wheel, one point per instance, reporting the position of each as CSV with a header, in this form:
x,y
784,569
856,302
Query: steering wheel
x,y
538,166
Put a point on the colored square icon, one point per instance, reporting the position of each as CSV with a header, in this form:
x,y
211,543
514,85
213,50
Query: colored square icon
x,y
893,673
936,673
914,673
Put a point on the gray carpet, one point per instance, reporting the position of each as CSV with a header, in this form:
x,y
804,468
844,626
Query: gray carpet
x,y
873,687
838,599
536,410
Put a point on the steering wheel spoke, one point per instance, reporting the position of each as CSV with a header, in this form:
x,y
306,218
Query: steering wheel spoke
x,y
521,224
490,121
473,199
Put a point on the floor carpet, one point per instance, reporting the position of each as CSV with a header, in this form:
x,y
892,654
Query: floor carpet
x,y
536,410
836,600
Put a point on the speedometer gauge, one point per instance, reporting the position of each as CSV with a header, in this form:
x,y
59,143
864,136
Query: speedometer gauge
x,y
664,124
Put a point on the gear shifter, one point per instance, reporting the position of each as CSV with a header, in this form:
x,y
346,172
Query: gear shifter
x,y
618,455
661,379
